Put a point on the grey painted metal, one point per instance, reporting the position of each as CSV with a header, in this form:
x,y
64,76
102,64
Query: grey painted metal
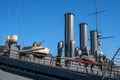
x,y
69,32
79,52
45,70
38,71
72,48
83,37
76,51
94,42
33,70
99,34
60,46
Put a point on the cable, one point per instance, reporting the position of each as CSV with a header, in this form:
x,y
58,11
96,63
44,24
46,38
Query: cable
x,y
25,22
18,21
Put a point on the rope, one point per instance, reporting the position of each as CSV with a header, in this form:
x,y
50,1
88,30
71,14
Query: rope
x,y
25,22
0,26
111,62
17,20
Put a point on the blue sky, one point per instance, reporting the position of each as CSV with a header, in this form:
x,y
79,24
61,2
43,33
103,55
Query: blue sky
x,y
37,20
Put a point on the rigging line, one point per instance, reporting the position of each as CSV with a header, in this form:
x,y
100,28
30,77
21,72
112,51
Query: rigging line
x,y
18,21
25,21
0,2
0,25
96,14
96,7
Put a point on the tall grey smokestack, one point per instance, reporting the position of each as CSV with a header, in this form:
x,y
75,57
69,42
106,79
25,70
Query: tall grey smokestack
x,y
94,42
69,33
83,37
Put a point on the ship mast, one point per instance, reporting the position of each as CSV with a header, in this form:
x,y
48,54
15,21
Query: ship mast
x,y
96,7
95,34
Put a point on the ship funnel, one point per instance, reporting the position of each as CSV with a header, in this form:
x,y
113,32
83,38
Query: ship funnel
x,y
94,42
83,37
69,34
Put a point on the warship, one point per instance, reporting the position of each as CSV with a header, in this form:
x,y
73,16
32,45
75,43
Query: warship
x,y
70,62
78,63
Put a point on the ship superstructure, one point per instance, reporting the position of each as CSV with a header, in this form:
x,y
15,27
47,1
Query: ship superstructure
x,y
79,63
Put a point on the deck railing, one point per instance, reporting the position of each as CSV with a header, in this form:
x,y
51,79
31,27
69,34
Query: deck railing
x,y
100,69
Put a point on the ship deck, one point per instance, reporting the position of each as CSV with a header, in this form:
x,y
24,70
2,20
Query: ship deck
x,y
46,68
